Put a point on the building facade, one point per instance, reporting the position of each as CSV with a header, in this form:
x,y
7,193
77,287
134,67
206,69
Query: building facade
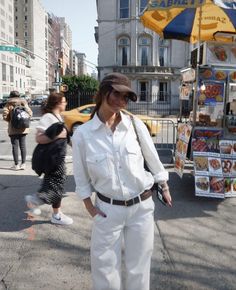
x,y
53,48
65,46
126,46
7,81
82,66
31,33
74,63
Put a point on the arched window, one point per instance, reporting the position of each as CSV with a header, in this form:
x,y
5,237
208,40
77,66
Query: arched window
x,y
123,51
124,8
144,50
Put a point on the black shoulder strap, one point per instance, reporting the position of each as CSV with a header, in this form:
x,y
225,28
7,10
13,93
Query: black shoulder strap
x,y
68,135
56,117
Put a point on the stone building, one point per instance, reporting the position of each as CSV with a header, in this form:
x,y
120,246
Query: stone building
x,y
7,81
126,46
31,33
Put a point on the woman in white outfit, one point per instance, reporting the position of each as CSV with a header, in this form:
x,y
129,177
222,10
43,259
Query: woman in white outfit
x,y
108,160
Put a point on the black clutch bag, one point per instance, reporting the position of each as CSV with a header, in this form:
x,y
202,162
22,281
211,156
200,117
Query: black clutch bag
x,y
159,192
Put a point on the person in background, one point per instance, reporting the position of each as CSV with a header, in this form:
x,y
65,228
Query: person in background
x,y
107,160
52,188
17,136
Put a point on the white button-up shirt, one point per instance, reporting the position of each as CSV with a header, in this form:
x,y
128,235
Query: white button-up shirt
x,y
112,162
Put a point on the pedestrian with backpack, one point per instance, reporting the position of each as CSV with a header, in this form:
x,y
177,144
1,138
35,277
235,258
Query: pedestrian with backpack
x,y
17,113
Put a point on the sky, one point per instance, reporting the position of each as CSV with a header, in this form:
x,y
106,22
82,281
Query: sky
x,y
81,16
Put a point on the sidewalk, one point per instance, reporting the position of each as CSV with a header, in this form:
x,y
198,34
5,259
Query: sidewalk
x,y
195,241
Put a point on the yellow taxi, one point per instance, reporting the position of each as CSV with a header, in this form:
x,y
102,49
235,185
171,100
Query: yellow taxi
x,y
80,115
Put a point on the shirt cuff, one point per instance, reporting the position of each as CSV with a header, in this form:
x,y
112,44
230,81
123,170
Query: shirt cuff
x,y
84,192
161,176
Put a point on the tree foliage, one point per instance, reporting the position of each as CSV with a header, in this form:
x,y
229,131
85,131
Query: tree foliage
x,y
81,83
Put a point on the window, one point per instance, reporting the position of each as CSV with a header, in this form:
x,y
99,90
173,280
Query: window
x,y
2,12
123,51
11,74
143,91
26,17
3,23
87,111
124,8
4,72
3,35
144,50
163,52
142,5
163,91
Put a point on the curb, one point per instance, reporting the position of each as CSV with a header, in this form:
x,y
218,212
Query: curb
x,y
28,158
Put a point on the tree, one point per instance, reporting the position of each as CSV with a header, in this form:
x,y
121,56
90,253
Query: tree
x,y
81,83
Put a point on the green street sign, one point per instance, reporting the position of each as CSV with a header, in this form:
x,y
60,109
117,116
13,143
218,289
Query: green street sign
x,y
10,48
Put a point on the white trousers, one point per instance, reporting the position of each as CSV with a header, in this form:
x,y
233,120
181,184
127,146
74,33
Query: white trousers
x,y
136,225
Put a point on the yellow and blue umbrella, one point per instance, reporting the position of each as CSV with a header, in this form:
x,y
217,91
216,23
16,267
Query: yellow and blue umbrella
x,y
191,20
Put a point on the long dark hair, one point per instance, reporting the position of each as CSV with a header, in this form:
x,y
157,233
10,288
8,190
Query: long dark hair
x,y
53,100
103,92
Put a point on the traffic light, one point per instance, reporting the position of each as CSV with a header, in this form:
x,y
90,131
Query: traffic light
x,y
64,88
59,63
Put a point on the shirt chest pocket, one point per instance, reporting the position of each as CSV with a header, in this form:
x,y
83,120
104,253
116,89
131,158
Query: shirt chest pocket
x,y
98,166
134,156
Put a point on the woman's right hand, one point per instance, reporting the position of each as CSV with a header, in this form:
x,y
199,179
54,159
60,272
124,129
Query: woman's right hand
x,y
92,209
62,135
96,211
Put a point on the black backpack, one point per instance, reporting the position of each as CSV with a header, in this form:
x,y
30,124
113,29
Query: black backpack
x,y
20,119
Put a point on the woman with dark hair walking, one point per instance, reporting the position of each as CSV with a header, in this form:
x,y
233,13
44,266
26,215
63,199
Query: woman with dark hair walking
x,y
108,160
52,188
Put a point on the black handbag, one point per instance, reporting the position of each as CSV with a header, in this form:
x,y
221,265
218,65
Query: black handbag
x,y
156,187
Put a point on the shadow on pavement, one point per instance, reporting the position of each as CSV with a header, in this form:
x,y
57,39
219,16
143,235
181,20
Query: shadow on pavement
x,y
13,209
185,203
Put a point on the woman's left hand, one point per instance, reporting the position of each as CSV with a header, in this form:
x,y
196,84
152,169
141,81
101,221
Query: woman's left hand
x,y
167,197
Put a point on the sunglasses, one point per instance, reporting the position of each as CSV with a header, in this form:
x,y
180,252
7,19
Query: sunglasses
x,y
120,95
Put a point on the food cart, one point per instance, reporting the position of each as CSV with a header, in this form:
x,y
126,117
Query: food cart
x,y
213,134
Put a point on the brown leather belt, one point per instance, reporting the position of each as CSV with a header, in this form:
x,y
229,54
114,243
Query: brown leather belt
x,y
145,195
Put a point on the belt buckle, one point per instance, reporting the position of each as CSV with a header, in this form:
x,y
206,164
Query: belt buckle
x,y
129,202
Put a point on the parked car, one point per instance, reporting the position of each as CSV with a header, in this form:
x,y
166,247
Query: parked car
x,y
80,115
2,103
38,100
